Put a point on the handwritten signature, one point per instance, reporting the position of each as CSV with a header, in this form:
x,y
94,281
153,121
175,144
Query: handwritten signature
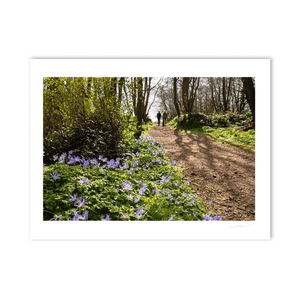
x,y
240,226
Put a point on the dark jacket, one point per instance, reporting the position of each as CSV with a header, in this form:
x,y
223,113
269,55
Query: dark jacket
x,y
165,115
158,115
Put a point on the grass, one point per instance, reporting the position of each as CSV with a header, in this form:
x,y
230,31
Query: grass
x,y
244,140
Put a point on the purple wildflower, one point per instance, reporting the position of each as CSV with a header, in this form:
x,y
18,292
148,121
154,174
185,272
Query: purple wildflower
x,y
85,215
127,186
106,219
57,217
207,218
73,198
55,176
171,218
80,203
84,180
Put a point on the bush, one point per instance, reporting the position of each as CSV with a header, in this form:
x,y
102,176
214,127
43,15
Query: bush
x,y
216,120
94,137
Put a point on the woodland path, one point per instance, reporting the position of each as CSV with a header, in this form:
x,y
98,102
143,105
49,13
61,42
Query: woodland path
x,y
219,172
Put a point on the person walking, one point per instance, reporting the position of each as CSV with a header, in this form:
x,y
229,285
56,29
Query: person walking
x,y
158,117
164,118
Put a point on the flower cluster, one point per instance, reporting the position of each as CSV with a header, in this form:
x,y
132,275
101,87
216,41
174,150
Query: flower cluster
x,y
140,212
209,218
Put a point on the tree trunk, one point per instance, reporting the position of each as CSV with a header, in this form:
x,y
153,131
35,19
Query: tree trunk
x,y
175,96
120,85
139,107
185,93
250,93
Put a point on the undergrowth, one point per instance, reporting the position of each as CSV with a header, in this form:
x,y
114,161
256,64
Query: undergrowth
x,y
144,186
245,140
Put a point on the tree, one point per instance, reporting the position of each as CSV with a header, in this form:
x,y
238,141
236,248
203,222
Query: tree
x,y
249,90
175,96
139,107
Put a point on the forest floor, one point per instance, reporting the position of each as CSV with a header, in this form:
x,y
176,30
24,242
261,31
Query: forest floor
x,y
216,171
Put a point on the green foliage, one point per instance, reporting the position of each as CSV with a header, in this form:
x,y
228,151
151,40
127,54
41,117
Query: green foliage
x,y
245,140
83,115
217,128
215,120
104,195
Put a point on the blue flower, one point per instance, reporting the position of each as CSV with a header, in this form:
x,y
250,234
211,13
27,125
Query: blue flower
x,y
175,184
169,191
187,182
73,198
76,217
129,172
217,218
94,162
111,164
162,192
127,186
85,215
169,197
106,219
124,166
224,212
86,163
83,180
207,218
135,163
129,197
177,202
163,179
193,200
71,161
55,176
58,217
173,162
140,212
142,190
171,218
154,191
185,195
55,157
125,216
194,214
80,203
62,158
137,199
77,159
211,201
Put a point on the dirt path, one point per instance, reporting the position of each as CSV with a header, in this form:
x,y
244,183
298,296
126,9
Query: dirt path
x,y
218,172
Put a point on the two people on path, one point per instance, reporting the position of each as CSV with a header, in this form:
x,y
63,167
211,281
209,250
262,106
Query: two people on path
x,y
164,117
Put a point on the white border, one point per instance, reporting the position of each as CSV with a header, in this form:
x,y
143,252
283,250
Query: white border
x,y
258,229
